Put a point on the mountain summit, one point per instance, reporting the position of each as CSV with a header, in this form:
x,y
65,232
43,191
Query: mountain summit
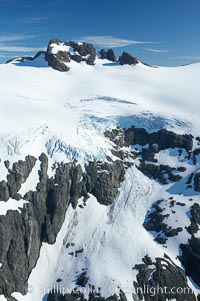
x,y
59,54
99,178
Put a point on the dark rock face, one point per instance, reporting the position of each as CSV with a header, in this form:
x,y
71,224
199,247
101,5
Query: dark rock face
x,y
155,222
20,236
116,135
162,173
82,279
161,278
57,61
195,219
109,55
79,52
164,138
86,51
102,53
4,191
190,258
40,220
77,58
128,59
193,181
16,177
22,233
156,142
160,140
197,182
104,185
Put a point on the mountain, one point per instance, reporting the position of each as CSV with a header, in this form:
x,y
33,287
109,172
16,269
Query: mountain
x,y
99,178
59,54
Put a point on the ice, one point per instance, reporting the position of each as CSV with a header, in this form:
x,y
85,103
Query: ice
x,y
96,98
65,115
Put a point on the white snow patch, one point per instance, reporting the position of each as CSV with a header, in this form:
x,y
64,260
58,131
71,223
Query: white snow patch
x,y
11,204
60,47
32,180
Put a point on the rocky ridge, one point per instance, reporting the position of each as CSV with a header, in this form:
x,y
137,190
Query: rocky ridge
x,y
59,54
42,217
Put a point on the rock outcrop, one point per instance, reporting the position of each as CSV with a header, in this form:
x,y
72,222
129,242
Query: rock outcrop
x,y
157,281
109,55
150,145
86,51
193,181
41,218
22,59
190,258
21,234
128,59
104,180
16,177
154,221
164,138
195,219
58,54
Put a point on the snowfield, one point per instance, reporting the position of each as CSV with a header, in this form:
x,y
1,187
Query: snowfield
x,y
65,115
72,109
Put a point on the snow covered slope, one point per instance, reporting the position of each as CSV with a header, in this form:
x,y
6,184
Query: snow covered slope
x,y
52,107
65,115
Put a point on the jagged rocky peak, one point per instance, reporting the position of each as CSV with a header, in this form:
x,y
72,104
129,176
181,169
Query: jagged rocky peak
x,y
59,53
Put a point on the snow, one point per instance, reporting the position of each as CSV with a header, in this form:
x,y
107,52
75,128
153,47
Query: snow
x,y
107,230
3,171
65,116
11,204
32,180
60,47
72,109
37,63
111,242
41,276
112,234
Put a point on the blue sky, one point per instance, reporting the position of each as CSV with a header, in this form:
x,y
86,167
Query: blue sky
x,y
158,32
